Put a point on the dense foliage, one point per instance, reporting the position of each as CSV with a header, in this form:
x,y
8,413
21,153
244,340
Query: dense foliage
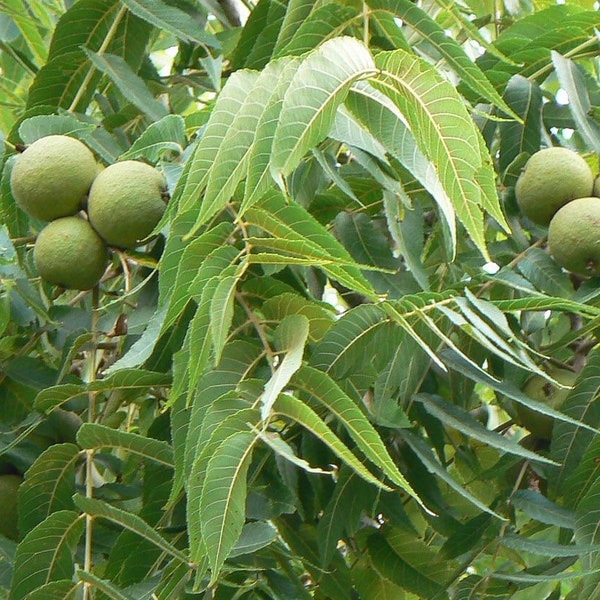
x,y
305,386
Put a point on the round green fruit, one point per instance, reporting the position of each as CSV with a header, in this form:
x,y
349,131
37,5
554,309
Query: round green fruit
x,y
9,488
552,177
52,176
69,253
574,236
542,390
126,202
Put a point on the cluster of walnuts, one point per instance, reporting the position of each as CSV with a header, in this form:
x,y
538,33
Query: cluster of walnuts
x,y
89,209
557,189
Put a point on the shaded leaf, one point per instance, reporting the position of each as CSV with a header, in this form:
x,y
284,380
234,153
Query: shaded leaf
x,y
46,553
49,485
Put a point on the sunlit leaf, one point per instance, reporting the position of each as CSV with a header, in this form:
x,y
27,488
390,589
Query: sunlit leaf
x,y
309,111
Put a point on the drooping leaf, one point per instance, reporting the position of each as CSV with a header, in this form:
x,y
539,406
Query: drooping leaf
x,y
234,419
432,464
460,419
222,506
128,520
451,50
292,408
542,509
445,133
392,567
291,334
255,535
129,84
309,111
231,98
170,18
323,23
572,79
324,389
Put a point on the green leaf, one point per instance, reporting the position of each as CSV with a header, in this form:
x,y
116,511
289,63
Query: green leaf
x,y
68,80
341,349
49,485
291,224
40,126
126,379
142,349
259,35
296,14
93,436
572,79
309,111
193,264
106,587
351,498
324,389
584,474
525,98
222,506
432,464
460,419
570,441
254,536
446,135
221,307
292,408
169,18
323,23
538,507
258,178
100,509
451,50
544,547
224,419
230,161
57,590
385,121
393,568
129,84
28,28
46,553
283,449
167,134
474,372
230,101
291,335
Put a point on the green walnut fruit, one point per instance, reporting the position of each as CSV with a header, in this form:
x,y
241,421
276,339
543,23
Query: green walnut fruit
x,y
542,390
126,202
9,488
574,236
68,252
551,178
51,177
